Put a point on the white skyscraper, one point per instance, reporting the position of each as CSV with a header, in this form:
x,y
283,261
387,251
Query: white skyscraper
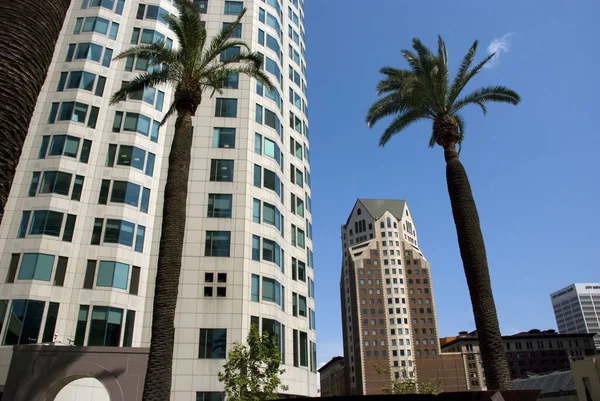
x,y
577,309
80,234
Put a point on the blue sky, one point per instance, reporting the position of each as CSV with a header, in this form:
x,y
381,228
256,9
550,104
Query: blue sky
x,y
533,168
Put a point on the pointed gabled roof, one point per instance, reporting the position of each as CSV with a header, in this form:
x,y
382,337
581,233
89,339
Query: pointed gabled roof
x,y
377,207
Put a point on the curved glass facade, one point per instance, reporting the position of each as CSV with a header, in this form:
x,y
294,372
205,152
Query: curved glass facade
x,y
81,229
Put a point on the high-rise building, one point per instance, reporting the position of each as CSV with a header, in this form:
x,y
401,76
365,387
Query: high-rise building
x,y
388,312
577,309
80,234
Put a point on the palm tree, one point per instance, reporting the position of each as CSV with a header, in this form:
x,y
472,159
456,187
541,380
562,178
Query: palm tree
x,y
193,69
425,92
30,29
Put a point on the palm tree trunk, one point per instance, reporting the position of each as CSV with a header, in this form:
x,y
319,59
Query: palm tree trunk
x,y
157,386
472,251
30,29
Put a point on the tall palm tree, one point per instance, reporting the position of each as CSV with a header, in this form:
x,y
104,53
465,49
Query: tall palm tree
x,y
424,92
194,69
30,29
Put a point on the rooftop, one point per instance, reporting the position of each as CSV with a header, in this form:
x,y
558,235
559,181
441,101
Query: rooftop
x,y
377,207
551,384
331,362
532,334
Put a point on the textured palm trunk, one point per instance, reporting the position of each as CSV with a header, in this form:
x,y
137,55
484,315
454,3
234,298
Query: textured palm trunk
x,y
30,29
157,386
472,252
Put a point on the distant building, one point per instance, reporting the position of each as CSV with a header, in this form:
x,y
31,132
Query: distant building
x,y
333,378
577,309
586,375
388,310
532,352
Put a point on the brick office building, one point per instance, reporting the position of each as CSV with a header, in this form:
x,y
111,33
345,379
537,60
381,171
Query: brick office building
x,y
531,352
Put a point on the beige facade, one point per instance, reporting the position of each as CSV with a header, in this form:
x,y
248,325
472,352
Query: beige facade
x,y
80,235
388,311
586,374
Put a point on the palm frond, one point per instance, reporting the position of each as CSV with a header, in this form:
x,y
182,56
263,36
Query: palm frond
x,y
468,76
222,41
487,94
395,80
156,51
442,74
402,121
139,83
458,83
191,25
177,27
172,109
442,50
423,64
253,72
384,107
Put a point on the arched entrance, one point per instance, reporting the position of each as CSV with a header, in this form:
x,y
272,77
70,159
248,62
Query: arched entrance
x,y
43,372
86,388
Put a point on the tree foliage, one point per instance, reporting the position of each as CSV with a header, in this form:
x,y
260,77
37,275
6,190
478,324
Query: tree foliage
x,y
425,91
252,371
198,66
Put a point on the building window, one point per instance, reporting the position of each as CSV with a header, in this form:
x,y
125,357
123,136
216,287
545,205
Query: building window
x,y
226,107
223,138
256,211
256,248
219,205
271,215
221,170
112,274
233,7
136,122
255,288
210,395
213,344
64,145
89,51
108,4
105,327
121,232
230,53
47,222
271,252
271,181
130,156
124,192
24,322
81,80
302,306
152,13
217,243
272,150
271,290
303,349
36,266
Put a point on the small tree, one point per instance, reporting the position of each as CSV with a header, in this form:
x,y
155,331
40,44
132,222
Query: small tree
x,y
252,371
408,384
